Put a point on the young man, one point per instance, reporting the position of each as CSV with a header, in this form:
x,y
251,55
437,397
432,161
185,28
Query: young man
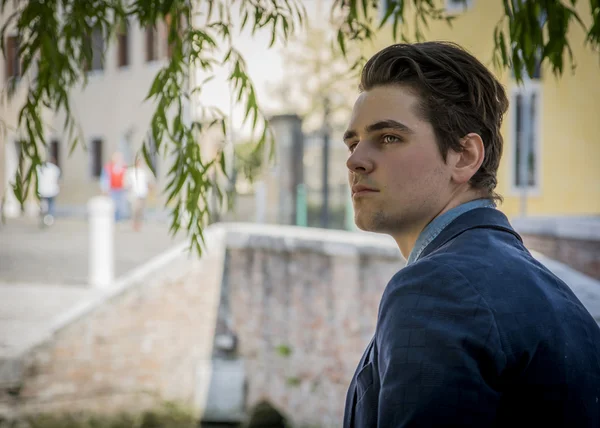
x,y
473,332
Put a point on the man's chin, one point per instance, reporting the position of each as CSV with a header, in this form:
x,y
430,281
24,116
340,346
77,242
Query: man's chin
x,y
368,225
373,222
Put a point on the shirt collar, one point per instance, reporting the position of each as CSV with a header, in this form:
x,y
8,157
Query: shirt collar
x,y
433,229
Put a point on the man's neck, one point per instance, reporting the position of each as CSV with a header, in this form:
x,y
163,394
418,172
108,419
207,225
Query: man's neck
x,y
406,240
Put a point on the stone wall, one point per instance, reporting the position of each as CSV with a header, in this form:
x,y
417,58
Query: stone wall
x,y
303,310
138,345
582,255
574,241
301,302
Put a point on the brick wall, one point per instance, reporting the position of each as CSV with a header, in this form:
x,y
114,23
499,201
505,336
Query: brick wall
x,y
318,304
580,254
302,303
134,351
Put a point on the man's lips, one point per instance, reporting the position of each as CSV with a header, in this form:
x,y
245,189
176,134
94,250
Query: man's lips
x,y
361,189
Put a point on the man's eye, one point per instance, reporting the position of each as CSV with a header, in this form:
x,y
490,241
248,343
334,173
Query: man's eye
x,y
352,146
389,139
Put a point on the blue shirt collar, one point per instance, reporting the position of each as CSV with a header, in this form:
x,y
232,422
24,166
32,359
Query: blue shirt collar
x,y
433,229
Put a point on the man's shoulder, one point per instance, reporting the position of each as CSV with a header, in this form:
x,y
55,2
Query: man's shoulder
x,y
479,251
501,272
437,300
430,278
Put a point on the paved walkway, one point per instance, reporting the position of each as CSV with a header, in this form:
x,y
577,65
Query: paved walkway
x,y
59,255
43,272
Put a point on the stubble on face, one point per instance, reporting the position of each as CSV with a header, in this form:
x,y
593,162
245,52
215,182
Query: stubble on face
x,y
410,174
396,217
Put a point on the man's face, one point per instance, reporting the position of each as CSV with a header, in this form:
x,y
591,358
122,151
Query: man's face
x,y
394,152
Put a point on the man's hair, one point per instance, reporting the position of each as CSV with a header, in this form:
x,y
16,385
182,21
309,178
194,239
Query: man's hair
x,y
458,95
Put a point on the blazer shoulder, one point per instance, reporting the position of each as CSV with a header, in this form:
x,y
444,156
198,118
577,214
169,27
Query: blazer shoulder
x,y
433,285
431,302
432,276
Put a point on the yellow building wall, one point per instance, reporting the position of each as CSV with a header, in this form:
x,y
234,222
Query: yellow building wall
x,y
569,128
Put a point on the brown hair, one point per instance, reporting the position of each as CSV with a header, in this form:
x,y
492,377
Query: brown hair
x,y
459,95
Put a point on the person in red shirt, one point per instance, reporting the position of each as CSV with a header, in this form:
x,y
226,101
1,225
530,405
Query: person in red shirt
x,y
113,183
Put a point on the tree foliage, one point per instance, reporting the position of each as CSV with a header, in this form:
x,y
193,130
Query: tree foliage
x,y
55,46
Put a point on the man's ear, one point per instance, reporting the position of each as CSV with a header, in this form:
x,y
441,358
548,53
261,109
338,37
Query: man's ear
x,y
468,161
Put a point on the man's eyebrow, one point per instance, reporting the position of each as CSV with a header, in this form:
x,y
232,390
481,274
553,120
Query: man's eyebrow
x,y
349,134
389,124
378,126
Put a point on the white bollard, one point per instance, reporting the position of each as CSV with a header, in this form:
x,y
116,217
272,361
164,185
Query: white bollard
x,y
101,215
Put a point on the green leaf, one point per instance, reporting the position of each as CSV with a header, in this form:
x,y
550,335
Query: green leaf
x,y
223,165
157,85
503,49
353,9
341,42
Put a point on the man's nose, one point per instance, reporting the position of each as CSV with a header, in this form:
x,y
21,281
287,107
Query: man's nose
x,y
360,161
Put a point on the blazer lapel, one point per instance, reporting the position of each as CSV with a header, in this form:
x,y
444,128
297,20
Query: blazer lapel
x,y
351,396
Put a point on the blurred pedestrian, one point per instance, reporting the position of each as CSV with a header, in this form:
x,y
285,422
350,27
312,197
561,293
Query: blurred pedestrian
x,y
139,182
48,189
112,183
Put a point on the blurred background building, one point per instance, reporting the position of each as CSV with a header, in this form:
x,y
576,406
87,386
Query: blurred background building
x,y
110,111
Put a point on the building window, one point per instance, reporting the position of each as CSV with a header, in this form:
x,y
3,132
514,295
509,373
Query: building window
x,y
54,152
168,27
169,24
151,44
13,64
97,49
123,44
526,107
537,71
96,42
457,6
96,157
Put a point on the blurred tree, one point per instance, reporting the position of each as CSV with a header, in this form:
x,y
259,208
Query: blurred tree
x,y
320,87
316,72
248,161
56,47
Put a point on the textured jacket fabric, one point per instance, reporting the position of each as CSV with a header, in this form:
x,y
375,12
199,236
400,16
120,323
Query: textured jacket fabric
x,y
478,333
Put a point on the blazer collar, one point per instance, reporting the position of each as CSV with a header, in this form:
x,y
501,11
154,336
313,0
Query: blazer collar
x,y
478,218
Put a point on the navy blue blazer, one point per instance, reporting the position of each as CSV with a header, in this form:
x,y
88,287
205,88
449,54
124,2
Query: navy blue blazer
x,y
477,333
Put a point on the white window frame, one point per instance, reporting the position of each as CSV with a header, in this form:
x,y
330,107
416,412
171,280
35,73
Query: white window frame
x,y
528,87
457,6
